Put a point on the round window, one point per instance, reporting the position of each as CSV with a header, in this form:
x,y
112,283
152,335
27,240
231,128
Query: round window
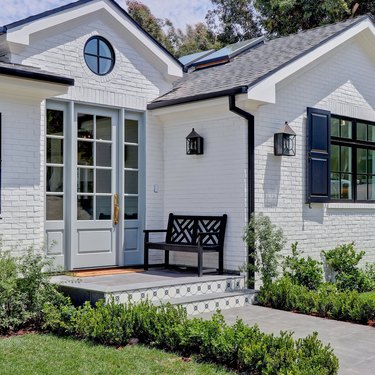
x,y
99,55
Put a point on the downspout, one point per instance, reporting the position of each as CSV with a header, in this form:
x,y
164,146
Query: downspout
x,y
251,171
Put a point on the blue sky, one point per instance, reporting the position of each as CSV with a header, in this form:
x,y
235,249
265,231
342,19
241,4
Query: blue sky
x,y
180,12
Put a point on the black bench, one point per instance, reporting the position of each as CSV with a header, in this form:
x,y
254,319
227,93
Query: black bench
x,y
190,234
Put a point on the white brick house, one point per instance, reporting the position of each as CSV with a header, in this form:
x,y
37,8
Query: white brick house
x,y
95,112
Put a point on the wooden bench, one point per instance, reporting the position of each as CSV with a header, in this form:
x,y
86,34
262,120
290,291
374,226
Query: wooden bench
x,y
190,234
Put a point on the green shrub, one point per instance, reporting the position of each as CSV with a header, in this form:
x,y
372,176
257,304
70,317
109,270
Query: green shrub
x,y
327,301
307,272
24,288
343,261
239,347
267,241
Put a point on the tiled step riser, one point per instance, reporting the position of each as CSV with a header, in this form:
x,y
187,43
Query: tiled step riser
x,y
196,308
167,293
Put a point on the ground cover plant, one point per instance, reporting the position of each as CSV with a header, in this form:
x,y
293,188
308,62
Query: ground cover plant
x,y
347,292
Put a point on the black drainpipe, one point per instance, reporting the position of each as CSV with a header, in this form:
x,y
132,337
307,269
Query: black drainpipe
x,y
251,170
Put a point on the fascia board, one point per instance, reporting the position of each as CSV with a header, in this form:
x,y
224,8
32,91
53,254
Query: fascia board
x,y
265,90
21,34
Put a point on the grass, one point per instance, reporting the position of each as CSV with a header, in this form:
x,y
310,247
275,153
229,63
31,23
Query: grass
x,y
47,354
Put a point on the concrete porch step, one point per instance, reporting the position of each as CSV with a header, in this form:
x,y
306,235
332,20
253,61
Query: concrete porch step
x,y
218,301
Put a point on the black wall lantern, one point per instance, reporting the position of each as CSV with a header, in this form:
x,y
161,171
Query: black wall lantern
x,y
194,144
285,141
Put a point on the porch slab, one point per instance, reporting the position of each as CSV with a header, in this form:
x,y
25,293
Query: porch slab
x,y
131,281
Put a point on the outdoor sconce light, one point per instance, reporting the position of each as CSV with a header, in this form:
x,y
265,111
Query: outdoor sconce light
x,y
194,144
285,141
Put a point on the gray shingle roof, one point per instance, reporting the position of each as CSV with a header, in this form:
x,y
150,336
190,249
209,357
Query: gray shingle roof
x,y
253,65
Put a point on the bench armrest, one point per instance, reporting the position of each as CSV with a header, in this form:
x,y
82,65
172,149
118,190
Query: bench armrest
x,y
154,231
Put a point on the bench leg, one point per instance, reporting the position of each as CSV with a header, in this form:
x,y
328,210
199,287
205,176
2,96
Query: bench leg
x,y
145,249
221,262
166,259
200,262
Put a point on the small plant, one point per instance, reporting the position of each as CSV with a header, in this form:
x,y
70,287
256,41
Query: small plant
x,y
24,289
307,272
343,261
267,241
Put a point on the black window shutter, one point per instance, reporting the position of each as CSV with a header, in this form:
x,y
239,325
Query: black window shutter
x,y
318,154
1,157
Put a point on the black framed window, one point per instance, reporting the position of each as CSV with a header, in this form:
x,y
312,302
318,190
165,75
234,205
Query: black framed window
x,y
352,160
99,55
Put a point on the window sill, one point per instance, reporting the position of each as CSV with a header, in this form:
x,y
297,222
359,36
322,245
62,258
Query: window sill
x,y
350,206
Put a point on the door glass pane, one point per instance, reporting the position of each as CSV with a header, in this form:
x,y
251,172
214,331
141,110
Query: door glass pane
x,y
55,122
361,131
131,208
131,182
371,161
361,160
55,151
131,131
335,185
361,187
103,208
85,207
346,186
346,129
371,133
335,158
103,128
346,159
103,154
131,157
104,181
54,207
85,153
371,187
85,125
85,180
55,179
335,127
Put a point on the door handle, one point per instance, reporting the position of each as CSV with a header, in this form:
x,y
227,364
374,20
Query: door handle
x,y
116,209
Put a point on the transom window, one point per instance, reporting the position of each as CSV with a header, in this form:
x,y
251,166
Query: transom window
x,y
99,55
352,160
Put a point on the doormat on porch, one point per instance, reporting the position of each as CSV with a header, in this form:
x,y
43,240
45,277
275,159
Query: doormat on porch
x,y
106,272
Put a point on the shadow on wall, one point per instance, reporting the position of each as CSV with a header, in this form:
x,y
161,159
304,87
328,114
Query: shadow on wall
x,y
271,186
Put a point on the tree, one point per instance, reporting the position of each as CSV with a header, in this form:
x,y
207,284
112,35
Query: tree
x,y
233,20
283,17
154,26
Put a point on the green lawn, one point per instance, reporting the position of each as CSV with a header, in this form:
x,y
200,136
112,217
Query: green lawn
x,y
47,354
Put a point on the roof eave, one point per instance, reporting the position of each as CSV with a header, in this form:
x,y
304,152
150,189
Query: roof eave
x,y
195,98
50,78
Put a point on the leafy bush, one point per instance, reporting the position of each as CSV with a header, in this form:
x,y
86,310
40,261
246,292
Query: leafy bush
x,y
307,272
24,288
327,301
267,241
239,346
343,261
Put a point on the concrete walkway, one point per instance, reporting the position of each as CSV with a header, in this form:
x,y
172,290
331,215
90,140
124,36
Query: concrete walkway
x,y
353,344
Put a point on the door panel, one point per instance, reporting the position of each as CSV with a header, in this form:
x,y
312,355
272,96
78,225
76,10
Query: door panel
x,y
94,243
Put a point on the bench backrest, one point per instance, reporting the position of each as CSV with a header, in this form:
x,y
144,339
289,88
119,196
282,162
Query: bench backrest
x,y
184,229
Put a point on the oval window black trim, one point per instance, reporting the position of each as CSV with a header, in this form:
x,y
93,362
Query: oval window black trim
x,y
99,58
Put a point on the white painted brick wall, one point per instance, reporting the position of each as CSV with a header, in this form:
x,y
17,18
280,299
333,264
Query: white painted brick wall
x,y
344,84
22,193
213,184
133,82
